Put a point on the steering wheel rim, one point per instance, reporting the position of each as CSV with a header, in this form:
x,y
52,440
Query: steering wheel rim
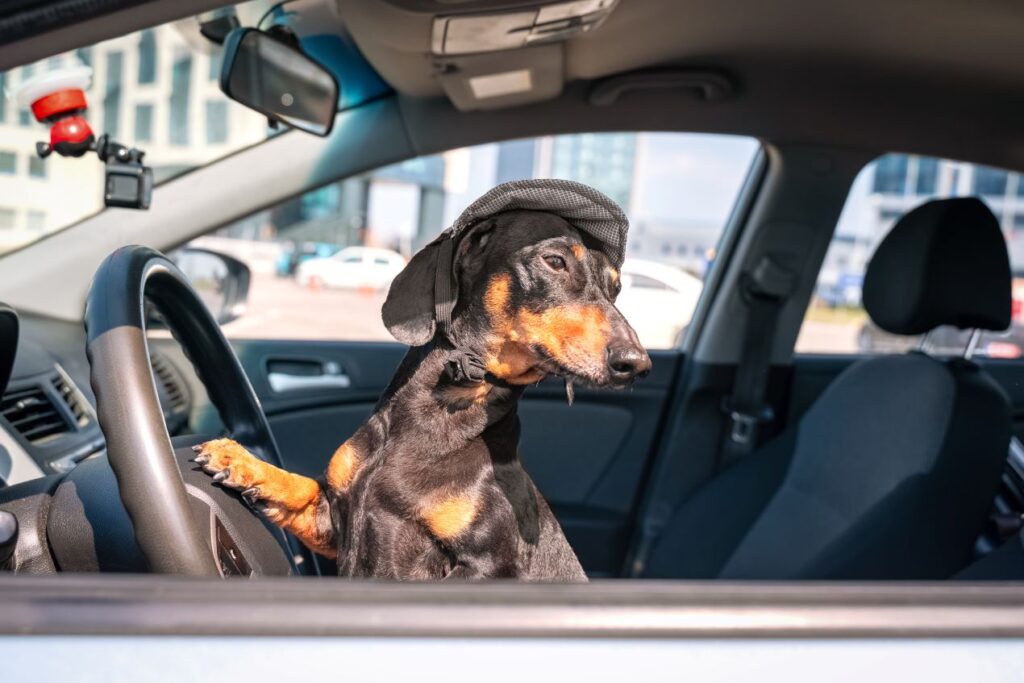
x,y
128,408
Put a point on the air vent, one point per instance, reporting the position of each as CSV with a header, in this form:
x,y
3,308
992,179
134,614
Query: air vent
x,y
171,383
76,404
33,415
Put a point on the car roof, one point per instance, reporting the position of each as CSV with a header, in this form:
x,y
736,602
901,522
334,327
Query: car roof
x,y
942,77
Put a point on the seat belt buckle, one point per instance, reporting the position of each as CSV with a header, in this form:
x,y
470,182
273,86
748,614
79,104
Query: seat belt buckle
x,y
743,427
743,424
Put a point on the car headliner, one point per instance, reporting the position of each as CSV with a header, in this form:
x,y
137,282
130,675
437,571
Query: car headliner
x,y
932,76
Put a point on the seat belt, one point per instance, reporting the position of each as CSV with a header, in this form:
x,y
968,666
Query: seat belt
x,y
765,290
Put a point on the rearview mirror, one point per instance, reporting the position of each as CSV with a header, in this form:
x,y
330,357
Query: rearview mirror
x,y
266,73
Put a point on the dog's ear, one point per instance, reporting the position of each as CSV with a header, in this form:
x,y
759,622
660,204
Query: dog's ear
x,y
408,311
470,250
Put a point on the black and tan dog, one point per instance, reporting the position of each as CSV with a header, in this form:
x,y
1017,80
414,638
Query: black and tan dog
x,y
431,486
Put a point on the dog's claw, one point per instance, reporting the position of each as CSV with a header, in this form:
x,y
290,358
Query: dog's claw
x,y
198,448
221,476
200,460
252,495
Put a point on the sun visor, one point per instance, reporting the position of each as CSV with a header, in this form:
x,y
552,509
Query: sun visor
x,y
496,80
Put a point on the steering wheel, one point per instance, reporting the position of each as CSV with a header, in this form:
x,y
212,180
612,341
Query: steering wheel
x,y
183,523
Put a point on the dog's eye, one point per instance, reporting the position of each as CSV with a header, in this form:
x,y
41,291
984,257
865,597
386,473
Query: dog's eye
x,y
555,262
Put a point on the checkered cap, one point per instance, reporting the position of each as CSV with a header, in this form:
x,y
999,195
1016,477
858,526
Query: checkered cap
x,y
582,206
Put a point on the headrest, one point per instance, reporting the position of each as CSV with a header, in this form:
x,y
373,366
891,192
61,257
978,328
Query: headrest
x,y
943,263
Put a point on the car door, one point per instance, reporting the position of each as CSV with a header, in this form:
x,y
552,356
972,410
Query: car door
x,y
319,357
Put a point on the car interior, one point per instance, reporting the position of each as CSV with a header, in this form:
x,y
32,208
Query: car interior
x,y
738,458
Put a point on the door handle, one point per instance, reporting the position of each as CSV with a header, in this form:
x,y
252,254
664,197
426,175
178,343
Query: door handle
x,y
282,382
327,375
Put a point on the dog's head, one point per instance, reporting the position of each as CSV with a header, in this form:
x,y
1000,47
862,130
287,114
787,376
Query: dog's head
x,y
535,297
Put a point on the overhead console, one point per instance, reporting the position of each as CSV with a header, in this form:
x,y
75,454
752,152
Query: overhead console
x,y
483,54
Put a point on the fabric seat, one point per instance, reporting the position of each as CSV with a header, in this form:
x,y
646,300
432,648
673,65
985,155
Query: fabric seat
x,y
891,473
1005,563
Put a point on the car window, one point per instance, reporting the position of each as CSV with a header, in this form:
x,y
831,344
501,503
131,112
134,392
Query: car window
x,y
645,282
155,89
885,189
677,188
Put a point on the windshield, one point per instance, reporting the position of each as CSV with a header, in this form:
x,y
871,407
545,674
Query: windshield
x,y
156,90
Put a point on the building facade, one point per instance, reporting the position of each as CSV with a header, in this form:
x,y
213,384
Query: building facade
x,y
156,90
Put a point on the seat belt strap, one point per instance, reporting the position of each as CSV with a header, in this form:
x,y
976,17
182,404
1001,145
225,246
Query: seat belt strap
x,y
765,290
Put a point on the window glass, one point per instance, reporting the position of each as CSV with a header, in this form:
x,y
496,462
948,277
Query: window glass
x,y
164,124
36,167
181,79
887,188
677,189
143,122
147,57
216,122
112,95
8,217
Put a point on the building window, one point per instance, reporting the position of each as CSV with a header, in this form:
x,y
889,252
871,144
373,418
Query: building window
x,y
35,221
84,55
36,166
7,218
216,122
927,175
27,72
112,95
3,97
24,118
143,123
891,174
215,61
8,163
54,63
990,182
147,57
181,77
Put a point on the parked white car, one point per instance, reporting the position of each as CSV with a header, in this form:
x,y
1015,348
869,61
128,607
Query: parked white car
x,y
658,300
352,268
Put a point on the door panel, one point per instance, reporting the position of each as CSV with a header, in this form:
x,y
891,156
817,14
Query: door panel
x,y
587,459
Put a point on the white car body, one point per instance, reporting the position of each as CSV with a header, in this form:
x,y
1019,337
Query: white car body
x,y
658,300
352,268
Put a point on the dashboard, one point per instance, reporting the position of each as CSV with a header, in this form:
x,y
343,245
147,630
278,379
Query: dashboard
x,y
47,411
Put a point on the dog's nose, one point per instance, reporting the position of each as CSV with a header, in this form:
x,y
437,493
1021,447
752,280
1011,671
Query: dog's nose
x,y
627,361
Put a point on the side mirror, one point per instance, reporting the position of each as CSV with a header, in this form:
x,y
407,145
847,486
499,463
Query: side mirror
x,y
268,74
221,281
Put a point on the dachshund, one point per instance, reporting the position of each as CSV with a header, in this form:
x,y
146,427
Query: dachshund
x,y
431,485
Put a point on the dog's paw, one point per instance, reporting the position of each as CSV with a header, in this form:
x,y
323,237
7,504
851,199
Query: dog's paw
x,y
231,466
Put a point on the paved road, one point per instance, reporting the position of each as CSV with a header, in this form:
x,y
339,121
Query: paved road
x,y
281,309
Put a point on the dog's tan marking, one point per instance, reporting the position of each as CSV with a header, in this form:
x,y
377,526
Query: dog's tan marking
x,y
291,501
450,516
614,275
507,359
579,251
474,393
343,467
576,336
